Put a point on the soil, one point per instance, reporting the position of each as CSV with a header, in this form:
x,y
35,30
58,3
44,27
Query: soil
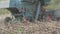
x,y
37,27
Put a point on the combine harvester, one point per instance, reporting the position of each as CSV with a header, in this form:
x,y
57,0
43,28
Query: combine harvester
x,y
22,9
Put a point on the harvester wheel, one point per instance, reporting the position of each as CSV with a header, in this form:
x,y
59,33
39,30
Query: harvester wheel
x,y
7,19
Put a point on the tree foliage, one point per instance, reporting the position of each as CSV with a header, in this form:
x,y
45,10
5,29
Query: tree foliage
x,y
54,4
0,0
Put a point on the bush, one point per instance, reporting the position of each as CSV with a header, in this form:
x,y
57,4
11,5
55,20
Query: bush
x,y
4,11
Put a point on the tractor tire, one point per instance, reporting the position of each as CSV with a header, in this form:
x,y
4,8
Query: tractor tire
x,y
7,19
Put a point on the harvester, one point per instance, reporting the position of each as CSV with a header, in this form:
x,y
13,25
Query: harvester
x,y
23,9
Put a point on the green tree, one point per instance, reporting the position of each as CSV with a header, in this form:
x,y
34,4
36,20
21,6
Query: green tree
x,y
54,4
0,0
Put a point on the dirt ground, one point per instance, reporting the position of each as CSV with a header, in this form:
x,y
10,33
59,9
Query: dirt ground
x,y
52,27
37,27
